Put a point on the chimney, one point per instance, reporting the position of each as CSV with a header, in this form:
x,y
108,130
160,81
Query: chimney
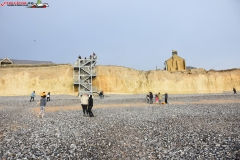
x,y
174,52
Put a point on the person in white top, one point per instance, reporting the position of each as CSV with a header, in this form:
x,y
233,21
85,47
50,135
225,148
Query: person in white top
x,y
48,96
84,103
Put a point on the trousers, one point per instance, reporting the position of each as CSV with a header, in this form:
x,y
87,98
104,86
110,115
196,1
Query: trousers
x,y
90,110
32,98
166,101
84,107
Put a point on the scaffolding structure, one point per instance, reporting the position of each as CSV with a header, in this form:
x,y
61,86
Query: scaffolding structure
x,y
83,73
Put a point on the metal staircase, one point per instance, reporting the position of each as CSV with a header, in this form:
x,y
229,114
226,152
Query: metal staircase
x,y
83,73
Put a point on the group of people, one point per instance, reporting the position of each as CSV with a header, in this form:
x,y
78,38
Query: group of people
x,y
33,95
93,56
158,98
87,104
87,101
42,103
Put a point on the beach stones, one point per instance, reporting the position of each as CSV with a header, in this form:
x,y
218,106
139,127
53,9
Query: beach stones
x,y
176,131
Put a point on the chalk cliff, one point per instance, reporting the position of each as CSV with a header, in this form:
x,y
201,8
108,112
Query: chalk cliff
x,y
58,79
114,79
22,80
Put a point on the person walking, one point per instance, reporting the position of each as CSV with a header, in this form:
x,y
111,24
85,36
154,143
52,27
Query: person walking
x,y
84,103
32,96
42,102
166,98
151,97
234,91
90,105
159,97
48,96
101,95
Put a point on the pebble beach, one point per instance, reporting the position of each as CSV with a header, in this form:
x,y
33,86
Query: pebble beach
x,y
201,126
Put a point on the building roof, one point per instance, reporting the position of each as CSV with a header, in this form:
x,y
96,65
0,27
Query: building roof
x,y
6,60
174,55
16,61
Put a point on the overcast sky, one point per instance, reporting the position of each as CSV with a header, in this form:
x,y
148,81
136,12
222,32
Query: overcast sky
x,y
139,34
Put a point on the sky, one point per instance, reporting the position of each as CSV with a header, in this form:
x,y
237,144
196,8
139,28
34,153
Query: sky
x,y
139,34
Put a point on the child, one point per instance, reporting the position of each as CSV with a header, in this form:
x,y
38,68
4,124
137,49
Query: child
x,y
42,104
148,99
156,98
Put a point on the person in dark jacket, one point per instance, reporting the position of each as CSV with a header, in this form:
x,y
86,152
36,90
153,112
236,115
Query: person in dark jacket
x,y
234,91
101,95
151,97
90,105
166,97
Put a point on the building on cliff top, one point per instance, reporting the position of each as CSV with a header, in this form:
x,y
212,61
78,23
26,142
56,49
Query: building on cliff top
x,y
7,61
175,63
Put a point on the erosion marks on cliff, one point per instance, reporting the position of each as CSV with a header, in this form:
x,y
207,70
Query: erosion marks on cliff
x,y
194,81
58,79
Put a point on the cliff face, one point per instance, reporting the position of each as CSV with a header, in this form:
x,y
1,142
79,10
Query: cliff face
x,y
113,79
23,80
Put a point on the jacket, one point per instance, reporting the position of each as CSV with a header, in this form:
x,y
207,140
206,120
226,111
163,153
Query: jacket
x,y
151,95
90,101
84,99
166,96
33,94
43,102
159,96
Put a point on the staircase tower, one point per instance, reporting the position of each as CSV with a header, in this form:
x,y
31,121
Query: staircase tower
x,y
83,73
